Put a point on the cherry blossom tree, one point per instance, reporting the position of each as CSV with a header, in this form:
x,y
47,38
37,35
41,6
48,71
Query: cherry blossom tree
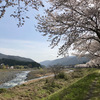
x,y
75,22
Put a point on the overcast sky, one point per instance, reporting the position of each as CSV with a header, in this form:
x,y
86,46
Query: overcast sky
x,y
24,41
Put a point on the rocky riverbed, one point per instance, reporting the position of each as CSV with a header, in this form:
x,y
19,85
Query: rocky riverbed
x,y
18,80
7,75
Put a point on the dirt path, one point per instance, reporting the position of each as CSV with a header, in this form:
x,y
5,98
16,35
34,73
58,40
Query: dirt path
x,y
37,79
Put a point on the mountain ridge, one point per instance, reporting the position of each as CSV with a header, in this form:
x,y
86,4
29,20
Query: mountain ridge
x,y
69,60
18,58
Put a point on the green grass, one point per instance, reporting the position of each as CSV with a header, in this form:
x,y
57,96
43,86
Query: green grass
x,y
65,87
78,90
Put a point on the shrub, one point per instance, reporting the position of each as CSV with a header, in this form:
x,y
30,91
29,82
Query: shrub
x,y
2,90
66,77
51,85
61,75
23,84
46,81
77,75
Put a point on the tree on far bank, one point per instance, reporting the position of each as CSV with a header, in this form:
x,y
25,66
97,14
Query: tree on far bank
x,y
56,69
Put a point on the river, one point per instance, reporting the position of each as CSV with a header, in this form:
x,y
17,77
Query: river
x,y
20,78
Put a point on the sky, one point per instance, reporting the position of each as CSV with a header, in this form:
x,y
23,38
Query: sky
x,y
24,41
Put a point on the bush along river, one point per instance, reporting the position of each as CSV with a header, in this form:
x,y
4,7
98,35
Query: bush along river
x,y
19,79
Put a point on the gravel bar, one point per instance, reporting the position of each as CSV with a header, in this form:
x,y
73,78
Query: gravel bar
x,y
8,75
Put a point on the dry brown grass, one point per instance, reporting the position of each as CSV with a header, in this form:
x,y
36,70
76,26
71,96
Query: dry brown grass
x,y
37,89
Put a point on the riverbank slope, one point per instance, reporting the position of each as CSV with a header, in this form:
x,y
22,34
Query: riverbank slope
x,y
41,89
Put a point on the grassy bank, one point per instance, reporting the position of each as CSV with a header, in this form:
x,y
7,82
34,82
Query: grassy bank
x,y
87,88
41,89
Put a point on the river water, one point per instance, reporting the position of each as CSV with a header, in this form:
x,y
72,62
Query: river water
x,y
20,78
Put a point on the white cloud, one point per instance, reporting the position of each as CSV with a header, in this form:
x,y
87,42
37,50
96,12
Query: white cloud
x,y
12,51
38,51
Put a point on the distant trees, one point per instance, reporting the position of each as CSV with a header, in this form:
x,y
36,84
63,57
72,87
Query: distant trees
x,y
2,66
56,69
11,62
76,22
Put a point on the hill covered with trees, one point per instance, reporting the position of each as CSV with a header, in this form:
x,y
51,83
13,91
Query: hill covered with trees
x,y
16,60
